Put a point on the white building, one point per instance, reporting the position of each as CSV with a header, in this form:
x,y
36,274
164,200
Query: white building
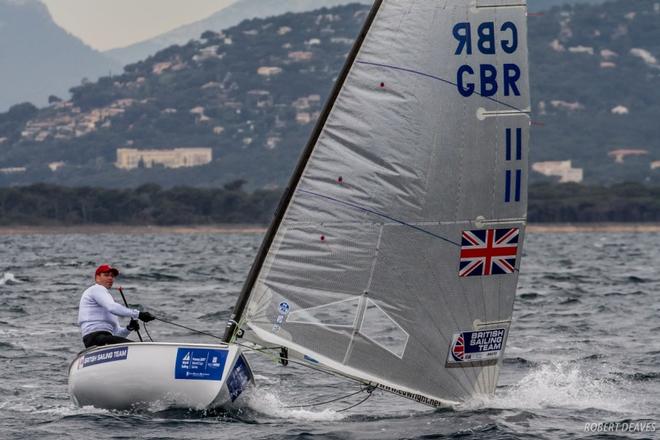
x,y
130,158
621,154
563,169
13,170
620,110
269,71
54,166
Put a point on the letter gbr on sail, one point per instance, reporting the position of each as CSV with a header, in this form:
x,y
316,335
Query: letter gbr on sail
x,y
394,257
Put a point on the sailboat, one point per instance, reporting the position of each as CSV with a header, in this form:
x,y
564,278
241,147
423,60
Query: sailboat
x,y
393,256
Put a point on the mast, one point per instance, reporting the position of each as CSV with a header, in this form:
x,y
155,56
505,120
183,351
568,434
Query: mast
x,y
239,309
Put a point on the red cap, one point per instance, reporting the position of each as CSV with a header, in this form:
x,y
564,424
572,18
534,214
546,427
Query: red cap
x,y
106,268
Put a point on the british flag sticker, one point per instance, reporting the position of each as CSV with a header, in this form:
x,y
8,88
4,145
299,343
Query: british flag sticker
x,y
486,252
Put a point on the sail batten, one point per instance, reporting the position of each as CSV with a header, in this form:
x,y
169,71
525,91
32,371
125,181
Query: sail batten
x,y
396,254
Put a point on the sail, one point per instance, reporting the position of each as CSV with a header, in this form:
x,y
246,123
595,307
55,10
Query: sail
x,y
396,258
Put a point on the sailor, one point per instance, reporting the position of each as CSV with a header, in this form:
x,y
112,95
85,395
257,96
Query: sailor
x,y
98,312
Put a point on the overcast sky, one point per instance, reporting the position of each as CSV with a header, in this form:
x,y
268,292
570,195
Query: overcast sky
x,y
106,24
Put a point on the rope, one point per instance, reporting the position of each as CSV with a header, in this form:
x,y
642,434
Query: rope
x,y
312,403
189,328
144,325
360,402
263,352
303,364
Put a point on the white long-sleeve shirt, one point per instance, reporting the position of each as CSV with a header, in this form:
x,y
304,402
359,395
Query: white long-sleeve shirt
x,y
98,312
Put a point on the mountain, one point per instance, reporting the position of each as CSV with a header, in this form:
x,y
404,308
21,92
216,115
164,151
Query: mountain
x,y
223,19
39,58
247,9
252,93
46,60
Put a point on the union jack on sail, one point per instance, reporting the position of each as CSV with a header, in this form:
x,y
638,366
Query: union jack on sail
x,y
458,348
488,252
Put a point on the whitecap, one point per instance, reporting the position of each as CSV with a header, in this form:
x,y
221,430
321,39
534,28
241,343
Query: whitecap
x,y
269,404
68,411
558,385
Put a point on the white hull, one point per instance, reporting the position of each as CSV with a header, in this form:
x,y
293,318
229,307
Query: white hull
x,y
144,374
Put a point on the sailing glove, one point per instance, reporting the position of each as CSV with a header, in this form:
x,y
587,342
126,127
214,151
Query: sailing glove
x,y
146,317
133,325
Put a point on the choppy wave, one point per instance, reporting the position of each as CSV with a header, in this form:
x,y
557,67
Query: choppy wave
x,y
642,377
518,361
581,347
8,278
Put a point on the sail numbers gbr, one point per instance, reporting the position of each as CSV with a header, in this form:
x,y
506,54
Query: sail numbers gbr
x,y
487,39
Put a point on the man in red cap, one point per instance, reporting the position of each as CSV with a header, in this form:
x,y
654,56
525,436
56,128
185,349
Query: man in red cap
x,y
98,312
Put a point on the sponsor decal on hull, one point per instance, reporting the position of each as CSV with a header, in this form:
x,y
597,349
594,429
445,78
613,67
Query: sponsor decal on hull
x,y
199,364
239,378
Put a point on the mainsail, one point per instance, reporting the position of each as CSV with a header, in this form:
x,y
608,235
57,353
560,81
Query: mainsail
x,y
394,257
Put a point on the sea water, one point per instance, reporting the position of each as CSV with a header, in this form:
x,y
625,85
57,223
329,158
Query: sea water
x,y
582,359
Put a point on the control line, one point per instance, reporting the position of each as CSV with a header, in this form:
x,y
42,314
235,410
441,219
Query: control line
x,y
437,78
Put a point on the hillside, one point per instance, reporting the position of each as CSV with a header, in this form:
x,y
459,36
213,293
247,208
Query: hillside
x,y
247,9
252,93
39,58
223,19
595,77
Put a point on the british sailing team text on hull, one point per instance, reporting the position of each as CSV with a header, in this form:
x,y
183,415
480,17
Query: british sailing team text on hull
x,y
393,258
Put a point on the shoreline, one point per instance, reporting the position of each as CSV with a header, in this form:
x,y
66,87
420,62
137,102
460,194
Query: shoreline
x,y
592,227
131,229
535,228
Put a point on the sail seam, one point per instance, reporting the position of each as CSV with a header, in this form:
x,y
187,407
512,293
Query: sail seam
x,y
380,214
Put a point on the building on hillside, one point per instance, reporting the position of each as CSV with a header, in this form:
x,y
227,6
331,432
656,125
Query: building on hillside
x,y
269,71
563,169
54,166
130,158
13,170
301,55
621,154
303,118
620,110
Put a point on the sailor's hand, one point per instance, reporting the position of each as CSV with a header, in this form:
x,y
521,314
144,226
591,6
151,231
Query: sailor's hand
x,y
146,317
133,325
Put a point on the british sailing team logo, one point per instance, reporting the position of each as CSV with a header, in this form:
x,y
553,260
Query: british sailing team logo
x,y
476,348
